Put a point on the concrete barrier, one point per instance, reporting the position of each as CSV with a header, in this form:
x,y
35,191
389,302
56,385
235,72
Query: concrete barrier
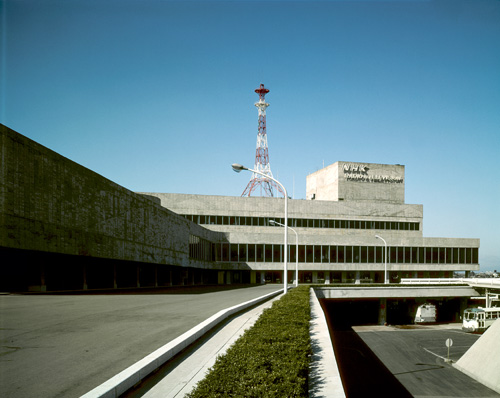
x,y
482,360
324,376
134,374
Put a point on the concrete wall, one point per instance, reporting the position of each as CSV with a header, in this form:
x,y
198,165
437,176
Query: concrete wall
x,y
50,204
351,181
482,360
323,184
274,207
394,292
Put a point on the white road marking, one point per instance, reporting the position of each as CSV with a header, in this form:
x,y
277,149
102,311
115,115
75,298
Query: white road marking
x,y
433,353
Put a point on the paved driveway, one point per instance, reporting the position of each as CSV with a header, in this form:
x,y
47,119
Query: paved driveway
x,y
416,357
65,345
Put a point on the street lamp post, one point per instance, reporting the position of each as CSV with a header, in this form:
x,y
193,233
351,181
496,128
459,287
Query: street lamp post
x,y
238,167
385,257
273,222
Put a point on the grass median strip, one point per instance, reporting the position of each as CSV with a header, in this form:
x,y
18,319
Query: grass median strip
x,y
271,359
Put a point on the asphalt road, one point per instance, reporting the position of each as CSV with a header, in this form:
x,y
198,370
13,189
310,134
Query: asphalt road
x,y
398,361
65,345
416,357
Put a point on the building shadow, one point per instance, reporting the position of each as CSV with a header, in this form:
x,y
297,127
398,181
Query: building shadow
x,y
164,290
363,373
316,378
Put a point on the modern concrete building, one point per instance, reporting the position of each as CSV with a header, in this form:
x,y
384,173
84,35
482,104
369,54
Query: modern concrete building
x,y
360,182
66,227
349,204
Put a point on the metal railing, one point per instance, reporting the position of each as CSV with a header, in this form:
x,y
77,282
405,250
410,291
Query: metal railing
x,y
431,281
479,282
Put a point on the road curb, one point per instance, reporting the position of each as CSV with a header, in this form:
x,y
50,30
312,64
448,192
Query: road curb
x,y
324,375
133,375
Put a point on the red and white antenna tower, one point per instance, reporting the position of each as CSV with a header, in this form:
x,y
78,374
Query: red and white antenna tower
x,y
261,153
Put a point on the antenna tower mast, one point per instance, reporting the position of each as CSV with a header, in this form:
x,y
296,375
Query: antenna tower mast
x,y
261,154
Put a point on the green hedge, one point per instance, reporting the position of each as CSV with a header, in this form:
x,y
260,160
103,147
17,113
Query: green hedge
x,y
271,359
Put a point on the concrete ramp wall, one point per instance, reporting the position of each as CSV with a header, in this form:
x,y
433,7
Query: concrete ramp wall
x,y
49,203
482,360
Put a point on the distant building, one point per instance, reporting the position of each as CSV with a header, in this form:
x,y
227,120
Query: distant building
x,y
64,227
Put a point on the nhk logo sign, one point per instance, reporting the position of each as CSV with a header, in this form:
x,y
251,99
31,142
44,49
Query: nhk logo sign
x,y
355,168
359,173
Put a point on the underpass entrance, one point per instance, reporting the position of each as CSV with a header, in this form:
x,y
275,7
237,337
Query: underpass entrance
x,y
393,311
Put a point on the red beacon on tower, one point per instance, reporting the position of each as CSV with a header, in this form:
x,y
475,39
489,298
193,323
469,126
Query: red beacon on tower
x,y
266,185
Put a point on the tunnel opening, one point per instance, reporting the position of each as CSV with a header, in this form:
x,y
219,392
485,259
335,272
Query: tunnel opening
x,y
352,312
361,371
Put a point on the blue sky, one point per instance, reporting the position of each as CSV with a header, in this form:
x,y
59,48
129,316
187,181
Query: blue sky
x,y
158,95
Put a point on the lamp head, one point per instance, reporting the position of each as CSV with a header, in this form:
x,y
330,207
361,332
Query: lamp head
x,y
238,167
271,222
382,239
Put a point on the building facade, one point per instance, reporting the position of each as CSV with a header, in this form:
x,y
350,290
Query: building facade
x,y
336,239
64,227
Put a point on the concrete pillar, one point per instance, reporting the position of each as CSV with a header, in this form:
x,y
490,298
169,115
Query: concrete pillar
x,y
253,277
358,278
43,286
263,277
343,277
84,275
138,273
463,306
382,312
115,285
220,277
327,277
228,278
315,277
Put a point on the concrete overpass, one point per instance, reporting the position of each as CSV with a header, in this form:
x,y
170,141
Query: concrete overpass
x,y
491,286
394,291
402,300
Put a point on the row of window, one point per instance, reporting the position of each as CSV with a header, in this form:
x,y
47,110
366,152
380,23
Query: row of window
x,y
201,249
228,252
492,314
350,276
304,222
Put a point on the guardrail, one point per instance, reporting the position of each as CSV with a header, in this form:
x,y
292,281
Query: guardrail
x,y
483,282
431,281
478,282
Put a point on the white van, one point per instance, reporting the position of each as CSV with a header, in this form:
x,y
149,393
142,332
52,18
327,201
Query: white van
x,y
426,313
